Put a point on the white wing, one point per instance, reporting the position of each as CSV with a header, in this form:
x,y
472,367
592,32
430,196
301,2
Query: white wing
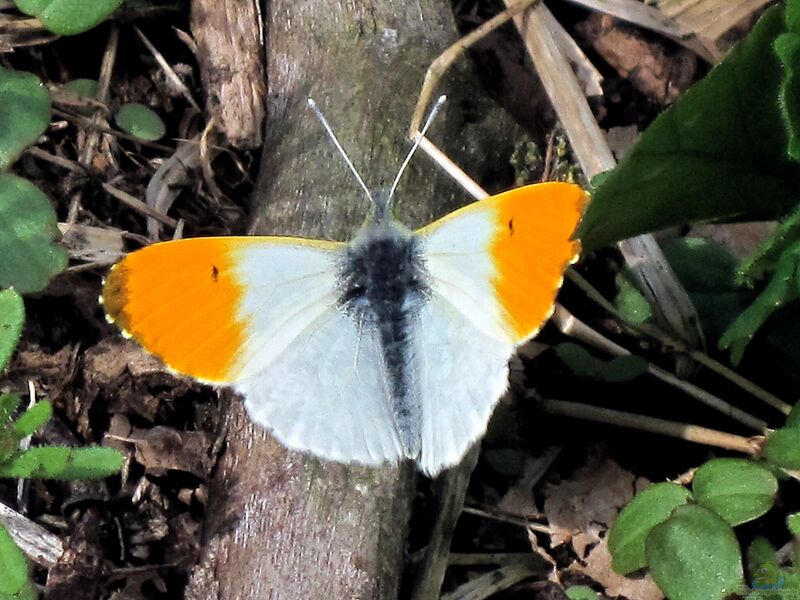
x,y
327,393
495,267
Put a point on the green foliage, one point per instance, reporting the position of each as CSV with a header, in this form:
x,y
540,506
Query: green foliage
x,y
630,302
793,524
32,419
782,447
63,462
768,581
69,17
28,231
14,582
616,370
25,113
12,317
719,152
581,592
708,273
736,489
787,48
626,540
140,121
694,555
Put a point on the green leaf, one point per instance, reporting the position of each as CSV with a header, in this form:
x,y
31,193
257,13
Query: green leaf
x,y
762,567
793,524
781,289
8,404
12,317
708,273
622,368
140,121
630,302
14,582
69,17
782,448
718,152
626,540
32,419
694,555
581,592
84,89
577,358
768,254
61,462
738,490
28,231
787,48
25,114
793,418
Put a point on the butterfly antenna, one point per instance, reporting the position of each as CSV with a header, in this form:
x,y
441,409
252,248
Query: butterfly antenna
x,y
313,106
439,102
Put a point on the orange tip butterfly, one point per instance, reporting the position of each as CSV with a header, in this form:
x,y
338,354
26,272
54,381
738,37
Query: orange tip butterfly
x,y
394,345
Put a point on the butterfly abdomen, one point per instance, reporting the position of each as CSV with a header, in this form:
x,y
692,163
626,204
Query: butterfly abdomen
x,y
383,284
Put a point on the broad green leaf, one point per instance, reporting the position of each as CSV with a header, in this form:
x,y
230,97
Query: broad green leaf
x,y
61,462
738,490
12,318
793,524
630,302
25,113
14,582
69,17
782,448
718,152
787,47
626,540
781,289
708,273
581,592
32,419
28,231
694,555
140,121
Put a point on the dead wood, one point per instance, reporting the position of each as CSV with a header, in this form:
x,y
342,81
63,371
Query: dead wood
x,y
281,524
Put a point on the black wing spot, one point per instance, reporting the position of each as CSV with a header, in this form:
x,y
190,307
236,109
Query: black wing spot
x,y
214,273
511,226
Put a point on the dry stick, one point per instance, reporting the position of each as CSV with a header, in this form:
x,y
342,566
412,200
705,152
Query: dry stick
x,y
684,431
577,329
653,19
91,124
38,544
667,340
124,197
139,206
169,72
642,254
445,59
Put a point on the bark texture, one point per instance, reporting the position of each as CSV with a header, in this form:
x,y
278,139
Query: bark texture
x,y
283,524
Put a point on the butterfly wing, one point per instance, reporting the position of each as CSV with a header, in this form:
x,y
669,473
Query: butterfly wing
x,y
495,267
261,313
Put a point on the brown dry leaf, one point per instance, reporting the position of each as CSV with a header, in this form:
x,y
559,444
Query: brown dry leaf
x,y
659,75
582,508
597,565
80,571
163,449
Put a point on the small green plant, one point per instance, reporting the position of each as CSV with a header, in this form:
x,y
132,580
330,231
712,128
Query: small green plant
x,y
42,462
69,17
727,149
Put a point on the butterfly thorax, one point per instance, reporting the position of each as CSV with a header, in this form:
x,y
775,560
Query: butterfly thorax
x,y
383,286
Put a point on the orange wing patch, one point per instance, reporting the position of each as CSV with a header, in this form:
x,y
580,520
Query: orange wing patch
x,y
179,300
533,248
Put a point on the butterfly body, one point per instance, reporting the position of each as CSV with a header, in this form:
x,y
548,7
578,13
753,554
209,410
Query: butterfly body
x,y
392,346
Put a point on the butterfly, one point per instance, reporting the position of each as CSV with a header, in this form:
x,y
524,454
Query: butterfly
x,y
392,346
